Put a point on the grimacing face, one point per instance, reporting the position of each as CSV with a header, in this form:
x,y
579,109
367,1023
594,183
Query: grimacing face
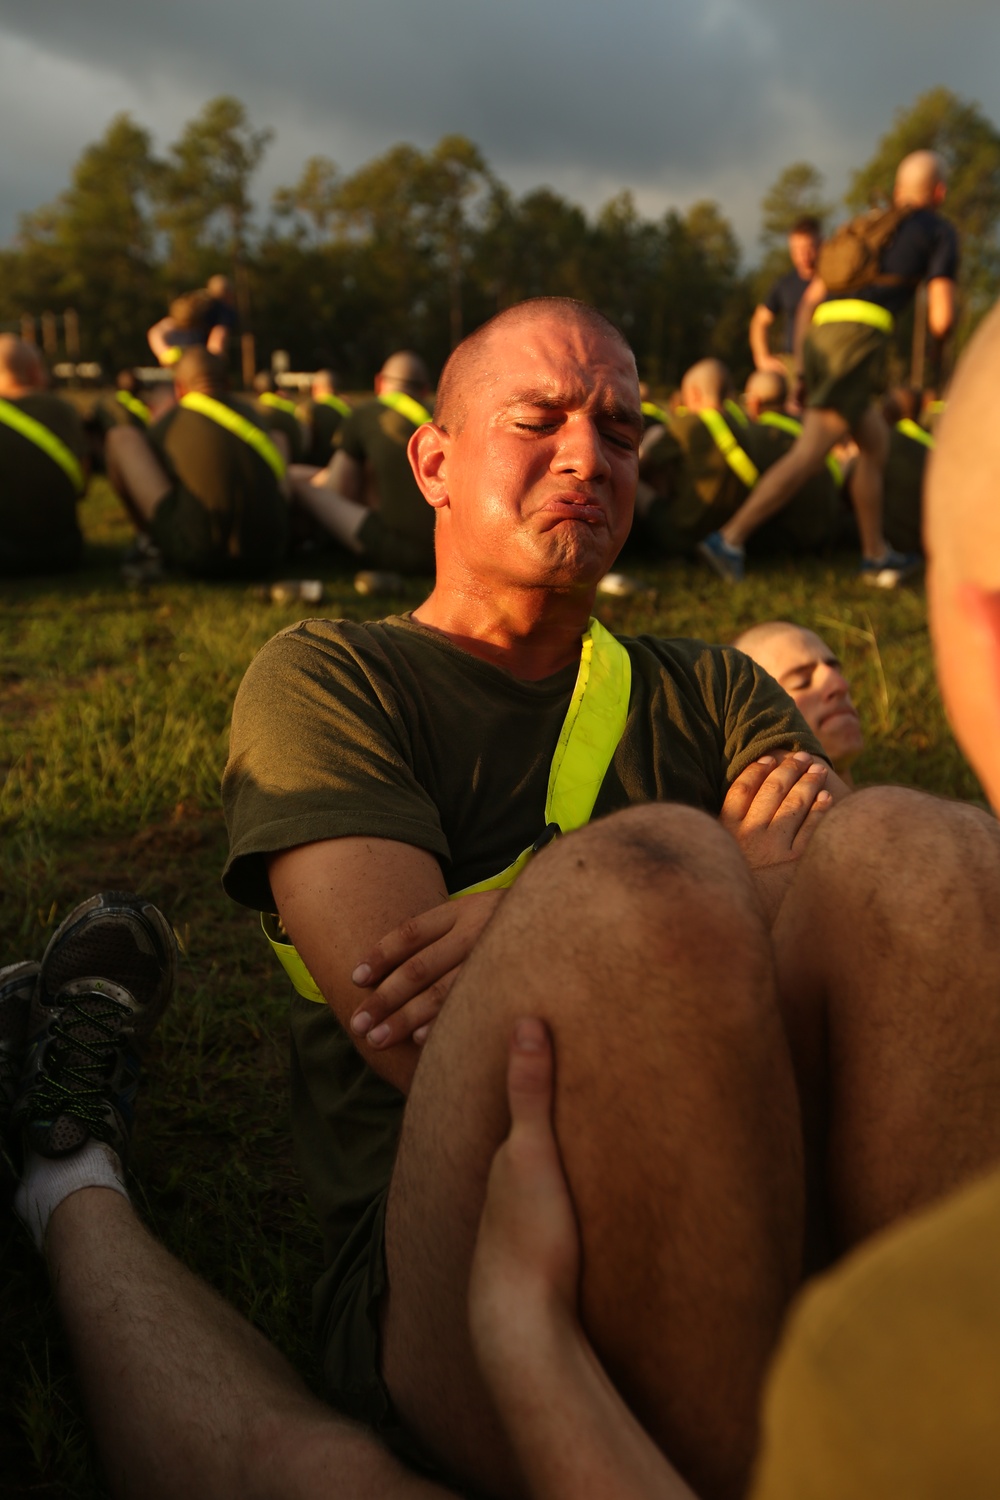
x,y
540,480
810,673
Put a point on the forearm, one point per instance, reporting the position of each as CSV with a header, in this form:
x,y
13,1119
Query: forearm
x,y
759,347
571,1430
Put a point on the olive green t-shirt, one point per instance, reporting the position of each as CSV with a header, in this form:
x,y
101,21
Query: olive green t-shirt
x,y
698,491
386,729
885,1384
38,524
323,423
377,436
288,424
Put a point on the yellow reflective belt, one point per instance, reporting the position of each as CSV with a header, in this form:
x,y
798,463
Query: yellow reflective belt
x,y
277,403
913,430
171,356
135,406
43,437
407,407
785,423
654,412
741,463
854,310
737,413
590,734
336,403
242,427
935,408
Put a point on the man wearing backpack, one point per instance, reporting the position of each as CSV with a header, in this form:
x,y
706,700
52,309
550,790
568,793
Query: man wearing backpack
x,y
866,275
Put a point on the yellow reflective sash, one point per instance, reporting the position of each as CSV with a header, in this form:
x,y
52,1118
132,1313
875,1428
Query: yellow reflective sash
x,y
854,310
654,413
277,403
590,734
334,402
935,408
913,430
138,408
43,437
784,423
737,413
407,407
242,427
741,463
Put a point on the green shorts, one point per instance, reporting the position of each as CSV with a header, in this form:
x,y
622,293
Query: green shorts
x,y
845,367
394,550
346,1306
211,544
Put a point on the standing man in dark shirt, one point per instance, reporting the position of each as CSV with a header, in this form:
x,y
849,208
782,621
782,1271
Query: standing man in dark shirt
x,y
42,467
367,497
782,301
206,484
843,358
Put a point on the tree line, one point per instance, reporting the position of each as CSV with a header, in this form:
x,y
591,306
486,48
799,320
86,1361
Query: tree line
x,y
416,247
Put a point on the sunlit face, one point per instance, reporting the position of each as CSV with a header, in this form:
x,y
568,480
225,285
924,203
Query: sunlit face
x,y
810,673
803,248
541,478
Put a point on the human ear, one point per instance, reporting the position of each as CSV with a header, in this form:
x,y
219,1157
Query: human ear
x,y
428,451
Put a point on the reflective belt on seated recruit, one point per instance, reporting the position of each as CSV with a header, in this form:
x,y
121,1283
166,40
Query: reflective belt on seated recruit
x,y
137,408
913,430
43,437
736,411
741,463
854,310
407,406
784,423
277,403
591,730
655,413
334,402
240,426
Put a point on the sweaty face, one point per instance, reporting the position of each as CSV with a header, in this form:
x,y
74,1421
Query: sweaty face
x,y
803,248
810,674
541,478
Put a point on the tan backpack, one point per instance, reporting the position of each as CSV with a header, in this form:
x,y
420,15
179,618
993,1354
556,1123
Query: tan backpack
x,y
848,260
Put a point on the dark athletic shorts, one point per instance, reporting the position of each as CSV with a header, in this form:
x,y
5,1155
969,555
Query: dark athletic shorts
x,y
393,550
845,367
346,1312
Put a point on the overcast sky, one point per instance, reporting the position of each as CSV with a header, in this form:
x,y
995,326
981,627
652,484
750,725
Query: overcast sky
x,y
676,99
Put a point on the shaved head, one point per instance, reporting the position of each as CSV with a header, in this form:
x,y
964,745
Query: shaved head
x,y
197,370
20,364
220,287
324,383
469,363
405,371
921,178
766,388
706,384
759,637
808,669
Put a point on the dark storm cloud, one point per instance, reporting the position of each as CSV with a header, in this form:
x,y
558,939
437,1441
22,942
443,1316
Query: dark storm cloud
x,y
688,99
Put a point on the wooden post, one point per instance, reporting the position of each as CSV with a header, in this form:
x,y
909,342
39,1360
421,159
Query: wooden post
x,y
27,328
71,333
50,335
919,351
249,354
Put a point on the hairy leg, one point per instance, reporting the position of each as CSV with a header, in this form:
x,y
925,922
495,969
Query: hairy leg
x,y
867,481
186,1398
641,944
772,492
888,955
135,474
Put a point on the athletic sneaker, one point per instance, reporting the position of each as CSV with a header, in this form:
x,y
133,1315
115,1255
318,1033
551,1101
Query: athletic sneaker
x,y
890,571
106,978
17,986
726,561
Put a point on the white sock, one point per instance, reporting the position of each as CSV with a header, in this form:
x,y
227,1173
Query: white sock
x,y
47,1180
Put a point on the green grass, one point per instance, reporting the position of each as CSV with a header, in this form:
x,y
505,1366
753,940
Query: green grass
x,y
114,714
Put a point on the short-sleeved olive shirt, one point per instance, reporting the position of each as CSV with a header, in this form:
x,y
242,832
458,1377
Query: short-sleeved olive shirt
x,y
227,513
697,490
323,422
388,730
38,524
376,436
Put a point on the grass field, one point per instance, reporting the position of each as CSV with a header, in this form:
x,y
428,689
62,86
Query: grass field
x,y
114,711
